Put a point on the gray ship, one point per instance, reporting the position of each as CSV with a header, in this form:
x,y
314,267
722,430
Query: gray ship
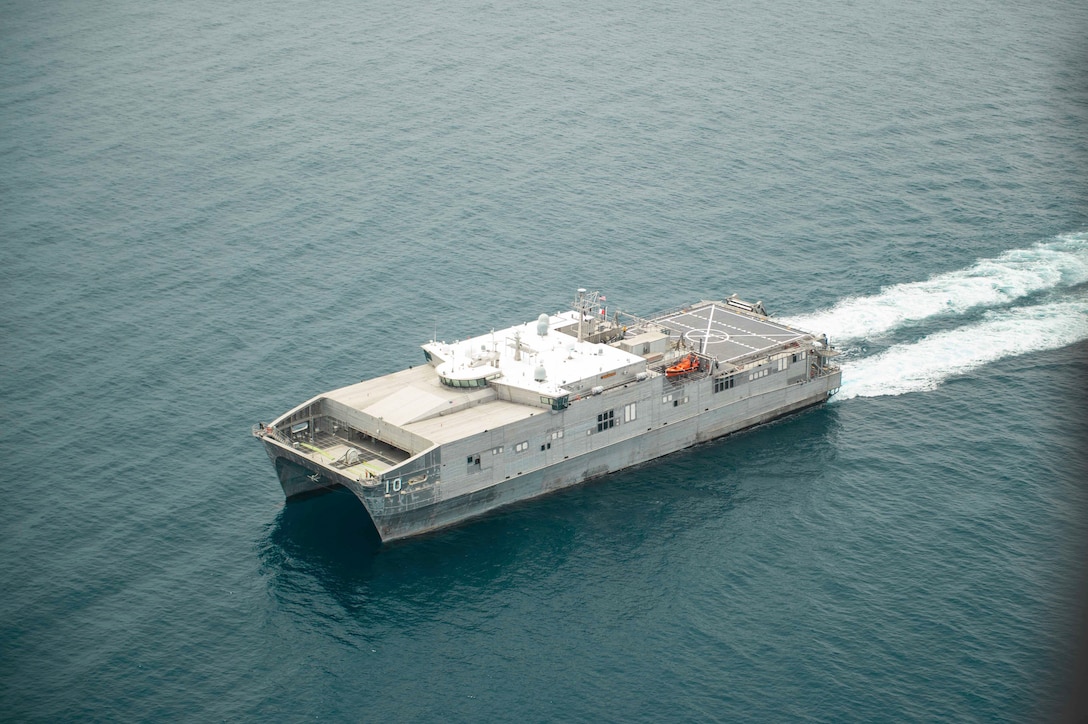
x,y
520,412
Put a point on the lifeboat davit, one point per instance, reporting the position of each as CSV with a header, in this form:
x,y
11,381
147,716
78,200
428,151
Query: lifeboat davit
x,y
683,367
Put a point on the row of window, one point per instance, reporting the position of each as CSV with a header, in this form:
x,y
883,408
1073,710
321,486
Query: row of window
x,y
475,459
779,363
555,435
556,403
724,383
519,447
482,382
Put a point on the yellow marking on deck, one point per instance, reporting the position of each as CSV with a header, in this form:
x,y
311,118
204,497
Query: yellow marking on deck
x,y
371,466
317,449
374,467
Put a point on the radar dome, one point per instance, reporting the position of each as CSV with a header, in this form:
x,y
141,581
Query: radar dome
x,y
540,374
542,325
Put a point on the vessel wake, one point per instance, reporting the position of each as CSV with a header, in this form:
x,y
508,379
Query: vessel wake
x,y
925,364
1015,274
1049,270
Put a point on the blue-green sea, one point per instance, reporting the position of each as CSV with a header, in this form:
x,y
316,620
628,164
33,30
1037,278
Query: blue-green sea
x,y
210,212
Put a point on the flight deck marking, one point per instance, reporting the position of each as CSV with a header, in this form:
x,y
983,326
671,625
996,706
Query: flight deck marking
x,y
708,336
763,334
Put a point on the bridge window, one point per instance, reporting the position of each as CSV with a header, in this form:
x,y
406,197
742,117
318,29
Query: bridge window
x,y
448,382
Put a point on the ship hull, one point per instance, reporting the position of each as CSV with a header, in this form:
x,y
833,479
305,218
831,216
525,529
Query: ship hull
x,y
299,479
622,455
514,415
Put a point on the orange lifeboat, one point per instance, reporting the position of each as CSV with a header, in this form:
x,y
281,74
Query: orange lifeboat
x,y
683,367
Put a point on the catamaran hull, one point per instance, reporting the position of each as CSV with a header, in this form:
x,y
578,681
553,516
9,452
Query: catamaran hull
x,y
515,414
299,477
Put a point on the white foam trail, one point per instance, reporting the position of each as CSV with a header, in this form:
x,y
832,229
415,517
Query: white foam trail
x,y
925,364
1062,262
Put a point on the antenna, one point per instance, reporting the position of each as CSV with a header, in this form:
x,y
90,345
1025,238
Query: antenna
x,y
588,303
580,305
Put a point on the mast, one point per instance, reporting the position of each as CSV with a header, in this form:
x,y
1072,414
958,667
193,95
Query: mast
x,y
587,303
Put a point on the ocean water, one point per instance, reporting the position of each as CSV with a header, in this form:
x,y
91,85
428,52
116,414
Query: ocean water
x,y
210,212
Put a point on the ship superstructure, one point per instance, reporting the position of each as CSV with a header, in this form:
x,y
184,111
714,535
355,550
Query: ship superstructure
x,y
519,412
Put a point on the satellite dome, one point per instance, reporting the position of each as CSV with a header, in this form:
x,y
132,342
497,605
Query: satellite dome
x,y
542,325
540,374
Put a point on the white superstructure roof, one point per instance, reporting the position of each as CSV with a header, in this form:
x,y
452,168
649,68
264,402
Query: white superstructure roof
x,y
522,358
